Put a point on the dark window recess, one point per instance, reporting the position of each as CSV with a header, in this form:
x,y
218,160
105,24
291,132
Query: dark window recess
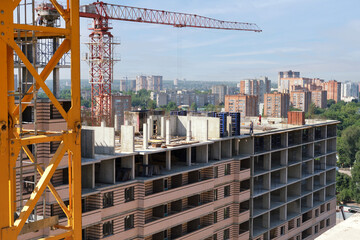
x,y
328,222
108,228
194,177
108,199
166,187
226,212
27,115
28,185
298,222
316,229
216,172
65,176
215,194
282,230
227,234
215,217
129,222
227,169
214,237
227,191
129,194
328,207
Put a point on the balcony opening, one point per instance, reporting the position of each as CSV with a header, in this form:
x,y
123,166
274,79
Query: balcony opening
x,y
319,148
331,131
278,141
176,206
278,160
123,172
108,228
194,176
245,164
176,181
178,157
157,163
306,233
193,225
307,135
306,186
245,185
176,232
158,185
194,201
294,155
277,197
160,236
262,144
160,211
306,216
244,206
260,165
294,138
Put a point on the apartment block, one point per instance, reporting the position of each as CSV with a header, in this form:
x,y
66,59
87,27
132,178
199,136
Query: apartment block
x,y
257,87
153,83
120,104
319,98
333,89
349,91
221,90
276,104
278,183
300,99
246,104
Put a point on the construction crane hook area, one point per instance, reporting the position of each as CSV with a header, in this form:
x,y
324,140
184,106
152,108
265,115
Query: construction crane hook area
x,y
101,44
40,139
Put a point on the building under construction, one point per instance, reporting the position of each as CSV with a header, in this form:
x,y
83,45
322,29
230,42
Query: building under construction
x,y
177,177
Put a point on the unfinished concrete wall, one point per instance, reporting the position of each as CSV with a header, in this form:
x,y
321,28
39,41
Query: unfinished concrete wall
x,y
196,122
127,138
104,139
87,143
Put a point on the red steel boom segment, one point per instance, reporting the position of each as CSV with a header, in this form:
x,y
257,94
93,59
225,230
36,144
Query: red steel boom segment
x,y
101,43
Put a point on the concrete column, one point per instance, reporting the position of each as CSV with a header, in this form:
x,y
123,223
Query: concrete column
x,y
56,82
149,133
236,146
229,126
146,162
162,124
145,137
168,160
168,136
188,156
127,138
188,131
116,123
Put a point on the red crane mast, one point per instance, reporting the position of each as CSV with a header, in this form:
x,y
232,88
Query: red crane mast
x,y
101,43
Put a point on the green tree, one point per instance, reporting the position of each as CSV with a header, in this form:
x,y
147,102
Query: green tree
x,y
349,146
193,107
151,104
171,107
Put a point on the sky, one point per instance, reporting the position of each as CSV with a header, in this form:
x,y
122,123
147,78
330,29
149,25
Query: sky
x,y
319,38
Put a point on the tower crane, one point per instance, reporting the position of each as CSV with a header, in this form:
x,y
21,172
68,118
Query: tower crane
x,y
100,58
15,141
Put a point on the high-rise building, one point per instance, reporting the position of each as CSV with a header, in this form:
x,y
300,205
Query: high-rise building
x,y
221,90
349,90
276,104
141,82
319,98
286,74
120,104
246,104
300,99
333,89
256,87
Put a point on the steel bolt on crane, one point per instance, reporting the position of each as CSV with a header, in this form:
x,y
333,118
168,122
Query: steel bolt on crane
x,y
14,140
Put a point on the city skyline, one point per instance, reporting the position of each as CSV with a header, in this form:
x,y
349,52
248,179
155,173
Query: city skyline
x,y
314,42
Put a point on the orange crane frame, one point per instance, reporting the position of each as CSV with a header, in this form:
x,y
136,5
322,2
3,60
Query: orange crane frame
x,y
10,140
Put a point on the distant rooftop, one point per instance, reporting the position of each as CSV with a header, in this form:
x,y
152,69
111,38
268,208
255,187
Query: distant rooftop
x,y
346,230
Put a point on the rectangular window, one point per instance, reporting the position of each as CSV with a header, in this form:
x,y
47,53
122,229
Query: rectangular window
x,y
316,229
215,236
108,228
328,207
227,191
129,222
227,169
298,222
328,222
215,217
282,230
129,194
316,212
227,234
215,194
216,172
108,199
226,212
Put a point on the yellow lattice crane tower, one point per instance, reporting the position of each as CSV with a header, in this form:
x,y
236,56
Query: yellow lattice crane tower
x,y
14,140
